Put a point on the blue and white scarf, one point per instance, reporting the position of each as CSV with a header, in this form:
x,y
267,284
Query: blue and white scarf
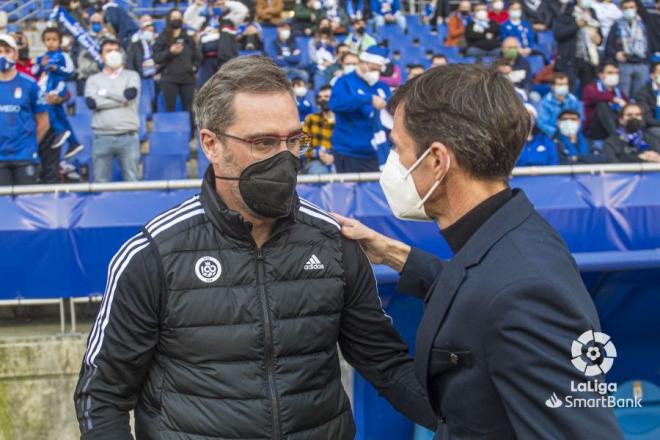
x,y
617,92
635,139
78,32
633,38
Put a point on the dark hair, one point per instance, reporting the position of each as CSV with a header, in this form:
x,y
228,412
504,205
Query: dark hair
x,y
108,42
628,105
612,63
568,111
414,66
324,88
557,76
628,1
340,45
347,54
654,65
213,107
438,55
51,30
472,110
169,30
297,79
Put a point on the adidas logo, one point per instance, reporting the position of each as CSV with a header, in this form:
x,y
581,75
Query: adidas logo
x,y
314,264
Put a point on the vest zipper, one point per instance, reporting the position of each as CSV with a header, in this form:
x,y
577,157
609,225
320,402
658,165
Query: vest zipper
x,y
268,345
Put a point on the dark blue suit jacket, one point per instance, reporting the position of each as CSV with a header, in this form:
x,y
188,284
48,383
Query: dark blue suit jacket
x,y
495,340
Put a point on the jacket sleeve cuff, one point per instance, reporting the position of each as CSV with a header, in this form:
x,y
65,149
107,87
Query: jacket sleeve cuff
x,y
419,272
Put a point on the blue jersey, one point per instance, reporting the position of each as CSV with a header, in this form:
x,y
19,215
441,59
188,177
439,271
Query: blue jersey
x,y
20,101
53,77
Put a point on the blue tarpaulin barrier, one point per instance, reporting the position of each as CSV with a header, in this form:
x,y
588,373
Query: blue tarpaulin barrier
x,y
59,245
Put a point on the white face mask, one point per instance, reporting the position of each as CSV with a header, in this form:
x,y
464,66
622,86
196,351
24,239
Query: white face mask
x,y
498,6
113,59
300,91
561,90
481,15
349,68
285,34
515,14
400,191
585,4
611,80
147,36
657,80
568,127
371,77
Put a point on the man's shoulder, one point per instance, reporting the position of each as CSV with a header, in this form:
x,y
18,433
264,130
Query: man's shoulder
x,y
26,79
316,217
172,222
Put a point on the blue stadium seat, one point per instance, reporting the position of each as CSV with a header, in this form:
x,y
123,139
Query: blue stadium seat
x,y
160,103
175,122
536,62
546,44
389,32
245,53
269,34
169,144
442,33
159,25
81,122
449,51
413,55
163,167
142,131
81,106
487,61
639,423
303,45
467,60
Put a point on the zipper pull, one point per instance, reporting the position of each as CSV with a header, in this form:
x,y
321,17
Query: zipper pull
x,y
260,254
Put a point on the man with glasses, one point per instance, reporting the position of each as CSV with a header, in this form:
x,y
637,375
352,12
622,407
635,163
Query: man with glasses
x,y
222,316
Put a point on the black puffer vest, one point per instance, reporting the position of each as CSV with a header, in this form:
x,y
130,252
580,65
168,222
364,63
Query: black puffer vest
x,y
247,348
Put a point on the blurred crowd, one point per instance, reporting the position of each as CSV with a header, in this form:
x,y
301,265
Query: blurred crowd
x,y
589,73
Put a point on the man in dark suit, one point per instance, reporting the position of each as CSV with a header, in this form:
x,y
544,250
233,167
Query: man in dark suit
x,y
494,345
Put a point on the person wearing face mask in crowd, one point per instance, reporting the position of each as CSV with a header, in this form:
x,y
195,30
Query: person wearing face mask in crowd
x,y
335,69
200,13
332,11
578,36
521,29
286,52
557,101
321,50
356,9
359,40
218,45
648,98
250,35
521,74
388,12
539,149
23,117
249,266
603,99
457,23
652,23
87,66
482,34
572,145
139,56
607,13
305,16
357,98
319,126
632,142
501,314
23,62
118,18
349,62
497,12
628,44
178,58
540,14
301,92
112,96
269,12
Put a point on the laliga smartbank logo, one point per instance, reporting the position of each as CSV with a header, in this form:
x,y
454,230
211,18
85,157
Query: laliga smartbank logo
x,y
593,354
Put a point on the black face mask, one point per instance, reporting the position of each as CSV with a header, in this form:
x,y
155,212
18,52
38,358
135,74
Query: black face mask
x,y
633,125
23,53
359,30
176,23
268,186
323,105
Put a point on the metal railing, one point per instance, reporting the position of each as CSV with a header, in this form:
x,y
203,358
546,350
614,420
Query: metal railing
x,y
317,178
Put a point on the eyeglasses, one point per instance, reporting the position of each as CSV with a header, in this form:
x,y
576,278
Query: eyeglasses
x,y
266,146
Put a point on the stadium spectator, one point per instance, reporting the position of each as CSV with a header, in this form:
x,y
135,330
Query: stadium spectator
x,y
359,40
540,14
557,101
87,66
287,54
539,148
603,100
269,12
200,14
503,66
387,12
301,91
356,9
572,145
305,16
23,62
607,13
53,69
652,24
339,21
521,74
439,59
631,142
178,57
121,22
321,51
628,44
250,35
357,98
140,53
23,117
335,69
349,62
457,24
648,98
112,96
521,29
391,75
218,45
482,34
578,36
415,70
498,13
319,126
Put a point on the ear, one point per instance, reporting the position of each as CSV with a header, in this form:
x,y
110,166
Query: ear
x,y
440,156
210,145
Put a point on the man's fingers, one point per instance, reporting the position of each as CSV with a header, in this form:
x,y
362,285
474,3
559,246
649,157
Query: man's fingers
x,y
344,221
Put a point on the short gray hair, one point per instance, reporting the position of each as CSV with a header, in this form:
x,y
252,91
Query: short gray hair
x,y
214,104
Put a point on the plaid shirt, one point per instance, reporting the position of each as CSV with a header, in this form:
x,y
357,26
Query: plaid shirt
x,y
320,130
